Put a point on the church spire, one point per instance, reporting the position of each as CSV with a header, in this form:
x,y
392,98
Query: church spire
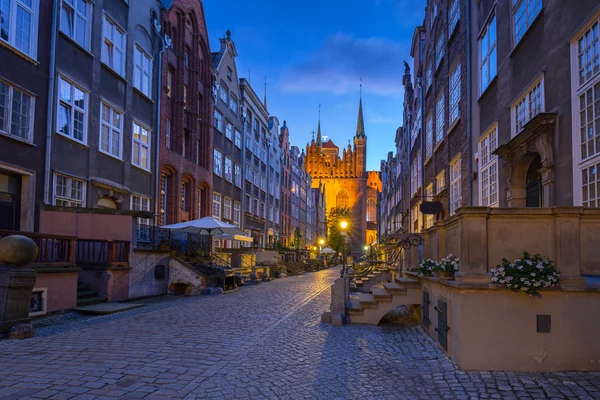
x,y
360,125
319,140
265,99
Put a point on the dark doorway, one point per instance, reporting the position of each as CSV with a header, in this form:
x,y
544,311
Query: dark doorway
x,y
10,202
534,184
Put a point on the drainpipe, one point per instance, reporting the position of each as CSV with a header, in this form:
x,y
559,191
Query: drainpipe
x,y
158,105
469,109
49,119
422,144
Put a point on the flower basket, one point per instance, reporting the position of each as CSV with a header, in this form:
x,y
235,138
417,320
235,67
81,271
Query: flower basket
x,y
448,266
427,267
527,274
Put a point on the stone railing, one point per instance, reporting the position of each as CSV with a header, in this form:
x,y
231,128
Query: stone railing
x,y
481,237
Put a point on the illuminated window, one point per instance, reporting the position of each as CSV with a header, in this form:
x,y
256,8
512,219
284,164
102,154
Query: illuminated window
x,y
371,210
341,199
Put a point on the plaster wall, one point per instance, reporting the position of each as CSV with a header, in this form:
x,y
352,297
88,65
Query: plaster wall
x,y
61,289
110,282
87,226
496,329
141,277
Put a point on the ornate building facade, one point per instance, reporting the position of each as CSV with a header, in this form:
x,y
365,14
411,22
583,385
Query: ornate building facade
x,y
345,181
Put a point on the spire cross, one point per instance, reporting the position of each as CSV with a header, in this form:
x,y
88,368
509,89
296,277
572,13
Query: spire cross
x,y
313,134
361,87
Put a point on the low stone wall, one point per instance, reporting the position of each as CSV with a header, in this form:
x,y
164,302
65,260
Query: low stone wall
x,y
143,281
112,282
60,285
492,328
184,275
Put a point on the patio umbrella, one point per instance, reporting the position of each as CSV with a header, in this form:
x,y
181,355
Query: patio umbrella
x,y
327,250
206,225
231,236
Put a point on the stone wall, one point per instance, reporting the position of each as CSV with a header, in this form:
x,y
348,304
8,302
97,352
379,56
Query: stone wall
x,y
142,281
184,274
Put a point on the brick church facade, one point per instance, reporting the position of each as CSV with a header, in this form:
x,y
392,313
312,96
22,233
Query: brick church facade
x,y
345,181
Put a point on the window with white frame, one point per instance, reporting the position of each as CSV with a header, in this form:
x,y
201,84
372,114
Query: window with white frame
x,y
440,181
218,121
141,147
233,103
439,49
185,97
528,106
588,53
227,208
141,203
19,25
455,192
168,133
587,142
74,21
488,63
185,198
453,16
71,119
218,162
68,191
16,112
488,169
237,213
113,46
429,137
454,93
523,13
429,218
237,174
224,92
439,118
216,207
249,171
111,131
142,71
229,131
238,139
428,77
228,170
169,82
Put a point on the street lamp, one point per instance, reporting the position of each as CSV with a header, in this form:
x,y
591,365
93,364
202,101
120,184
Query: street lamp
x,y
344,226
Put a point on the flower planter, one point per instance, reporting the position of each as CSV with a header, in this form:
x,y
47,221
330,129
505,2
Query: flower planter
x,y
448,275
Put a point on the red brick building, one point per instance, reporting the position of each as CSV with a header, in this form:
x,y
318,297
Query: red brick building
x,y
185,180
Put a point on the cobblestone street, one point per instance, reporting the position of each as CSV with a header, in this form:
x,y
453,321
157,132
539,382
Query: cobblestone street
x,y
260,342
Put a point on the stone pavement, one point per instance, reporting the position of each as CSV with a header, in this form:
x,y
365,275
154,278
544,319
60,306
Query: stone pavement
x,y
261,342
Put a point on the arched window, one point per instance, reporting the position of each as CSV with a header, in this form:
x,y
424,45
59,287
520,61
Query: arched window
x,y
371,210
341,199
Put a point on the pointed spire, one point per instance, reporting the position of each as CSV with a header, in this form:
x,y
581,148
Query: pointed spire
x,y
319,140
360,124
265,100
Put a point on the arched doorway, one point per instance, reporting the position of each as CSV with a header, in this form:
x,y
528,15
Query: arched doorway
x,y
533,188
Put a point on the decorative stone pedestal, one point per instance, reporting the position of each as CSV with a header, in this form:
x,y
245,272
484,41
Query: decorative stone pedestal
x,y
16,286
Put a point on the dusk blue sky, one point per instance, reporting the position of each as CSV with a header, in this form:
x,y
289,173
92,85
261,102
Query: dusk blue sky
x,y
315,52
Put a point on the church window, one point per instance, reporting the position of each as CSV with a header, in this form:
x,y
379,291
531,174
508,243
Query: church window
x,y
341,199
371,210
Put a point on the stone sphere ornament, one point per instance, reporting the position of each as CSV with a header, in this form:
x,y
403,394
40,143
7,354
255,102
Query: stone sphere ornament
x,y
17,250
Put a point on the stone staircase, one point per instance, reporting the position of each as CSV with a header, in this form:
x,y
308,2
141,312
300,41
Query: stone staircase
x,y
369,308
365,283
87,296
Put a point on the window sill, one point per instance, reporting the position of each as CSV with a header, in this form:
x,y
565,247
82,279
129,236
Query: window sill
x,y
70,39
19,52
142,94
438,145
452,126
453,31
72,139
141,168
493,81
115,73
18,139
428,160
110,155
525,34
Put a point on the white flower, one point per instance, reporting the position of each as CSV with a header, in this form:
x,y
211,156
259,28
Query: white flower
x,y
522,279
520,267
493,270
494,279
533,274
501,269
529,262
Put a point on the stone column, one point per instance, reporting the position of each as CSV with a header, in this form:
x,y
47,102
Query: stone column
x,y
566,245
473,245
16,285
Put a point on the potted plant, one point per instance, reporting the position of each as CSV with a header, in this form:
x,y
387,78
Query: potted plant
x,y
527,274
448,266
427,267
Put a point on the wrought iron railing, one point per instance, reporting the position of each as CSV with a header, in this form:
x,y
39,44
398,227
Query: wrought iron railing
x,y
51,248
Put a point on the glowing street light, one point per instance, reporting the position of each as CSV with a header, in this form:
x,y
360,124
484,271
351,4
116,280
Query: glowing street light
x,y
343,225
321,242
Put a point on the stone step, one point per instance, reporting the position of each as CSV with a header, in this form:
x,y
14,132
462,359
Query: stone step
x,y
367,300
91,301
355,308
107,308
408,283
86,294
370,276
394,288
359,282
382,295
